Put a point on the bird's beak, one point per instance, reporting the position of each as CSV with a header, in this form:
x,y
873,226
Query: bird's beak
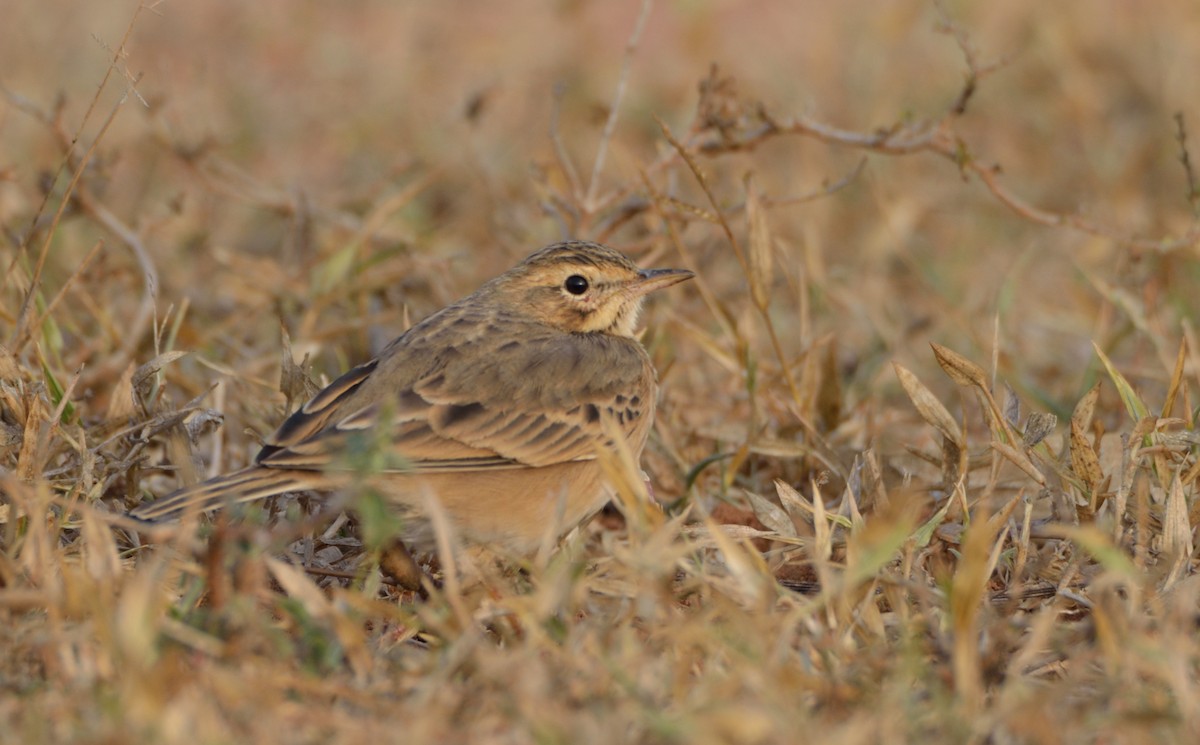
x,y
650,280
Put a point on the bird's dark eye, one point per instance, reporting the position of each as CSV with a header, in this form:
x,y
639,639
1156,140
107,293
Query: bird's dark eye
x,y
576,285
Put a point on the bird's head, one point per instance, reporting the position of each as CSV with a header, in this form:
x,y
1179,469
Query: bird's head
x,y
583,287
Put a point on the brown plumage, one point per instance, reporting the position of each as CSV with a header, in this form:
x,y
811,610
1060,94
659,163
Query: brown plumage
x,y
495,404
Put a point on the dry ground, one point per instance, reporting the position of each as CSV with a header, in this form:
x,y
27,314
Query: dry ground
x,y
926,438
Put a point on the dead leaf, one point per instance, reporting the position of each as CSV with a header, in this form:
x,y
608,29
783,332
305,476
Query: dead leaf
x,y
1177,529
760,251
829,392
771,514
1084,460
1037,427
959,368
929,407
1020,460
294,380
120,404
1176,379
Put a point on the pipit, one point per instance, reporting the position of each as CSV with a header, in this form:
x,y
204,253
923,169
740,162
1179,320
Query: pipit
x,y
497,405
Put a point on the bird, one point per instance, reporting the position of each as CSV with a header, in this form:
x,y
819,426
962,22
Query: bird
x,y
498,405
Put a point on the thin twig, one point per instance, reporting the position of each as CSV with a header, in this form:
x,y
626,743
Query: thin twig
x,y
935,137
702,180
21,331
560,150
611,124
137,327
21,328
825,190
706,293
785,367
67,285
1193,189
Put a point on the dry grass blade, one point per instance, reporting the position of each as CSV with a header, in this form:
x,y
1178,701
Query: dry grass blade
x,y
829,393
1177,529
1086,408
121,404
1134,405
798,507
929,407
784,364
959,368
30,457
981,548
761,270
22,327
294,380
148,370
954,444
316,605
744,562
873,545
629,485
1020,460
1084,460
771,515
966,373
1176,383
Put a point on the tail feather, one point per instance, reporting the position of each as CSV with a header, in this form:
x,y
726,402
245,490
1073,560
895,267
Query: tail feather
x,y
247,485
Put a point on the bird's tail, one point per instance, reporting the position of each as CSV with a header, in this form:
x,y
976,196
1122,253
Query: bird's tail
x,y
247,485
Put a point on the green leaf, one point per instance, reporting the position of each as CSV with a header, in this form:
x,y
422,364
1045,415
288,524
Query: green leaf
x,y
56,394
925,532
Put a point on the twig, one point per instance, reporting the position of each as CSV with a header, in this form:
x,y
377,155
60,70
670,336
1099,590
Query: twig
x,y
785,367
67,285
21,328
137,327
935,137
21,331
706,293
825,190
560,150
1193,190
702,180
611,124
975,71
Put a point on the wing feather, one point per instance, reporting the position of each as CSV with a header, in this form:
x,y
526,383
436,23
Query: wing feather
x,y
537,402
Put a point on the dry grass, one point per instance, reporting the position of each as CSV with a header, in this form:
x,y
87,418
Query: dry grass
x,y
877,530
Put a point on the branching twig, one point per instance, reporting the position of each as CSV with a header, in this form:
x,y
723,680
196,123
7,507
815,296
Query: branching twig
x,y
975,71
724,125
930,136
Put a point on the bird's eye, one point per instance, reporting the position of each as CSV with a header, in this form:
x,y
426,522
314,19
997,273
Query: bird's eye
x,y
576,285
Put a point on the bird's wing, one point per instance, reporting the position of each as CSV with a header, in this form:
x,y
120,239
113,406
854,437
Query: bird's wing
x,y
505,403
